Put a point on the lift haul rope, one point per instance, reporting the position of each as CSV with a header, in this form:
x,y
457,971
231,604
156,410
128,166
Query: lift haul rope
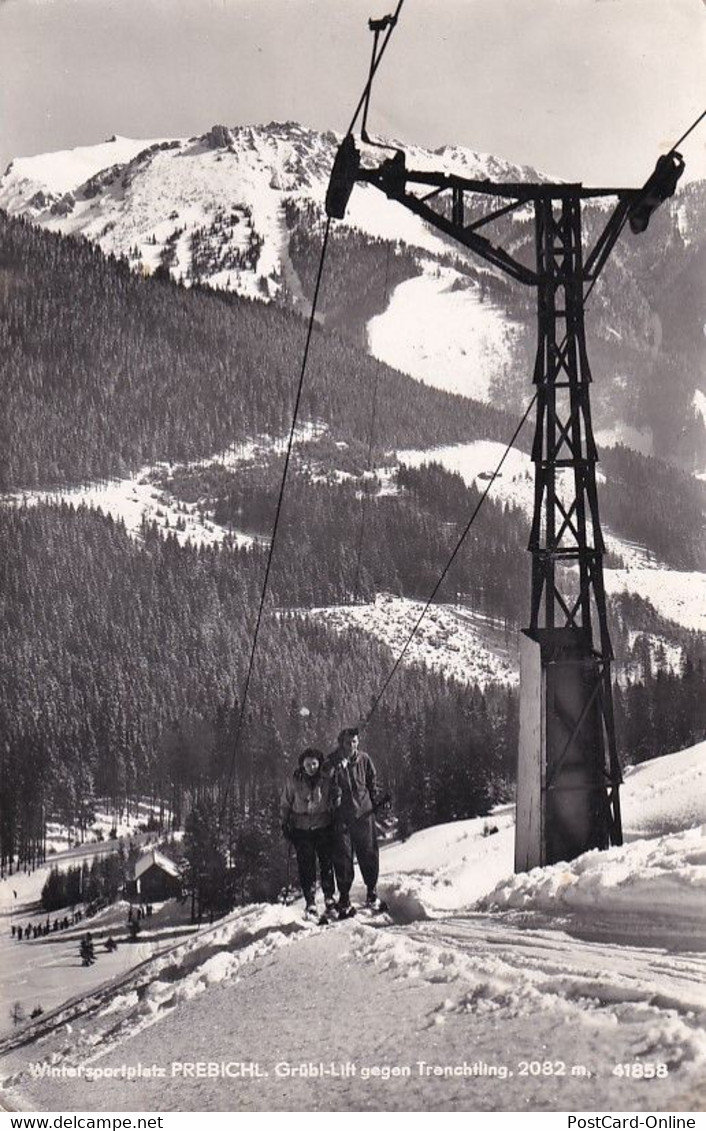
x,y
449,563
659,186
278,512
685,135
388,23
371,441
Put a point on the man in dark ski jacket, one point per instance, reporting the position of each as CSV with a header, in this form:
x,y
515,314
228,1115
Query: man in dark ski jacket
x,y
353,772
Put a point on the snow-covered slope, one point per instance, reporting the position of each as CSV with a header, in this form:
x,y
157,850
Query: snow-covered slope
x,y
439,328
33,184
140,499
453,640
595,966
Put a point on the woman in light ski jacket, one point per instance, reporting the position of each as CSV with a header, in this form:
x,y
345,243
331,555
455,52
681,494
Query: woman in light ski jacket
x,y
306,807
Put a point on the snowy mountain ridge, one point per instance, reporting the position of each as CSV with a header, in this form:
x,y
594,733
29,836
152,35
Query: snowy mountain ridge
x,y
148,200
56,173
223,209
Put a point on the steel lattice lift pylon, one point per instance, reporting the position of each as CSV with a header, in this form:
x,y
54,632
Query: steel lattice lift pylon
x,y
568,769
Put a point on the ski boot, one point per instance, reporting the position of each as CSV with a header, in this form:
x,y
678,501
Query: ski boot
x,y
375,904
345,909
330,912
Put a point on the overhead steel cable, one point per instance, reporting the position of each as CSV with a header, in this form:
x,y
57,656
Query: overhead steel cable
x,y
371,441
692,127
391,22
595,278
275,527
449,563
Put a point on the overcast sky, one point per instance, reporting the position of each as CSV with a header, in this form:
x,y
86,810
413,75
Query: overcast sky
x,y
586,90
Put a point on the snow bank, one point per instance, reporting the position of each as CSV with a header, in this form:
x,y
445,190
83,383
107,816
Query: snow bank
x,y
451,867
665,877
216,955
657,877
448,867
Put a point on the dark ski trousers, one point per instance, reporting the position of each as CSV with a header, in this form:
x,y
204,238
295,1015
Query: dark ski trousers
x,y
360,836
308,845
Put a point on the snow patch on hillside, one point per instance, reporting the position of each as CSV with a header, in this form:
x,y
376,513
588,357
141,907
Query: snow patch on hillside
x,y
438,329
370,212
476,463
679,596
639,439
140,499
135,501
664,655
450,640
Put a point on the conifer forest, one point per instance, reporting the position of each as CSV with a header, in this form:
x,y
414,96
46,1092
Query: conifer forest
x,y
122,660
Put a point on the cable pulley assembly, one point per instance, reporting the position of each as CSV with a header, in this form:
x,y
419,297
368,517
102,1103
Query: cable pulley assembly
x,y
658,188
344,175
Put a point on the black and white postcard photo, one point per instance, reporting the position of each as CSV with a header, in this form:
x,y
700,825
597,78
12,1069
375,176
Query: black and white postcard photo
x,y
353,559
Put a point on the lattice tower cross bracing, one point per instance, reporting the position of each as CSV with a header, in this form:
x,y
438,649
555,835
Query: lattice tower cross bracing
x,y
568,770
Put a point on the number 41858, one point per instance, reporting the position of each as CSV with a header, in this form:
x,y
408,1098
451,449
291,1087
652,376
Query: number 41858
x,y
641,1070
